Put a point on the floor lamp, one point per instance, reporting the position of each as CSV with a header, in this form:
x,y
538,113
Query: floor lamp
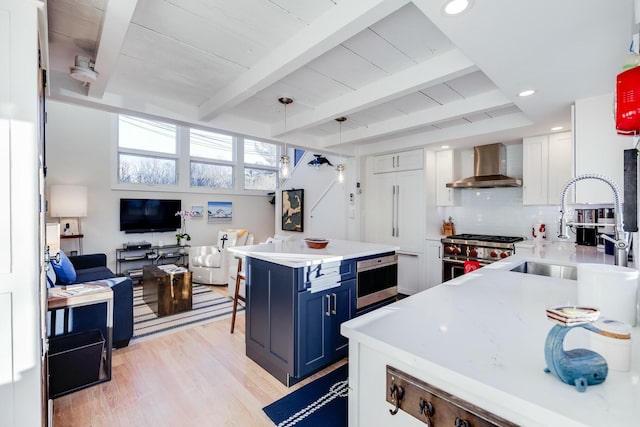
x,y
69,204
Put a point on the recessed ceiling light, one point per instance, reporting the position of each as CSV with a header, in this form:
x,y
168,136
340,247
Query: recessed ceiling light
x,y
557,128
456,7
526,93
444,147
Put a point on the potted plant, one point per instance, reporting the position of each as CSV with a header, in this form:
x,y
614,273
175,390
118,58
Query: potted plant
x,y
182,236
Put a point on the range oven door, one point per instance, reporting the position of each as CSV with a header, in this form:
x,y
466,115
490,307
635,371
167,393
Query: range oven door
x,y
452,268
376,281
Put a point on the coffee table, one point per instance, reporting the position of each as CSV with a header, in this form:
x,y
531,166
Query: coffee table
x,y
166,292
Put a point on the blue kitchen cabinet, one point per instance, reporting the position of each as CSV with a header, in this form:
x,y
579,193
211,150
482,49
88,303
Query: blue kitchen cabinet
x,y
288,331
318,333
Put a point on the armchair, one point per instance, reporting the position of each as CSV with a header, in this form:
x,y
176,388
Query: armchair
x,y
210,264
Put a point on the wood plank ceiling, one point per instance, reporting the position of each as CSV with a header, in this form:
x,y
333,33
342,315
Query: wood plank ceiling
x,y
402,72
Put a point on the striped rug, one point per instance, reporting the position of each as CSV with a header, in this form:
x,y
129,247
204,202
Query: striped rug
x,y
208,306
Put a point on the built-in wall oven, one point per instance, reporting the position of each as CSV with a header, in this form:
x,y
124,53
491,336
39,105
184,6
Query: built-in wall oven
x,y
462,249
376,282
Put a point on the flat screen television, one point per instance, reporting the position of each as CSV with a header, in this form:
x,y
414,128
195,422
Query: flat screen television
x,y
147,215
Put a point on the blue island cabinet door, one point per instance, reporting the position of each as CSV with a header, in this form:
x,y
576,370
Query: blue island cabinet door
x,y
314,327
344,301
320,315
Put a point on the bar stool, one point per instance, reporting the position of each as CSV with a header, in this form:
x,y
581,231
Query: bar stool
x,y
236,295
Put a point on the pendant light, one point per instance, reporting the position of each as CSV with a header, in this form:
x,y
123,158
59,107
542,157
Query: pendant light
x,y
285,161
340,168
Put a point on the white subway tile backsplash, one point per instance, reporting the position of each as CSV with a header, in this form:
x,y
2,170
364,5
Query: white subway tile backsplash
x,y
499,211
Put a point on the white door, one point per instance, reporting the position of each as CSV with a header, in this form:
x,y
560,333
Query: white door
x,y
21,400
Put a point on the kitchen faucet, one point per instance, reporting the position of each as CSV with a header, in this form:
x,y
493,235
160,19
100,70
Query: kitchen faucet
x,y
620,241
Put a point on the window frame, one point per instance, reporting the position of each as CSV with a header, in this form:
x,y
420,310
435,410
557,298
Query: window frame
x,y
183,161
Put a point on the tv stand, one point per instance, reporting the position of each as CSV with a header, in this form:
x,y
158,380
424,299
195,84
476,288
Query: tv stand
x,y
129,261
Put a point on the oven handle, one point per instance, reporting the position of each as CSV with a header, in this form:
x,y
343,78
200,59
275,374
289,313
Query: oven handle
x,y
374,263
457,261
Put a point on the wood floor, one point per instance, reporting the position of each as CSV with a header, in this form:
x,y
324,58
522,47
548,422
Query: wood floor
x,y
196,377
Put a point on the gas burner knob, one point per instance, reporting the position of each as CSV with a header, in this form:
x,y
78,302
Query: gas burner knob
x,y
447,249
456,251
473,252
493,254
503,255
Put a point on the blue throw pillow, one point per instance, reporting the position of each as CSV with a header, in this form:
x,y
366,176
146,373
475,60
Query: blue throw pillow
x,y
64,269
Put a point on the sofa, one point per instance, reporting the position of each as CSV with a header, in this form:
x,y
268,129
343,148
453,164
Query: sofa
x,y
88,268
210,264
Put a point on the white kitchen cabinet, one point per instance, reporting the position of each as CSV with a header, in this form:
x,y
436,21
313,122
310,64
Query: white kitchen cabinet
x,y
397,162
547,167
598,148
395,215
433,256
444,174
395,212
410,272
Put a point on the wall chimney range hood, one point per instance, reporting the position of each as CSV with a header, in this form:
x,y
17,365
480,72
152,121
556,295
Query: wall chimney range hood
x,y
489,168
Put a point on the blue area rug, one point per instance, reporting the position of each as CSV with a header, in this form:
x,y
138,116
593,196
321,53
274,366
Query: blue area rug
x,y
321,403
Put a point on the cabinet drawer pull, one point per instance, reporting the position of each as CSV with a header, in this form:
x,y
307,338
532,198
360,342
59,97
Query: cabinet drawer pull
x,y
328,305
335,304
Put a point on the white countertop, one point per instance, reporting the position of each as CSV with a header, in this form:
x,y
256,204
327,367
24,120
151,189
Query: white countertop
x,y
482,336
295,253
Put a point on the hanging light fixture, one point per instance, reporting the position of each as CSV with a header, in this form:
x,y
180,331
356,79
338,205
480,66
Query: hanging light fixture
x,y
285,160
340,168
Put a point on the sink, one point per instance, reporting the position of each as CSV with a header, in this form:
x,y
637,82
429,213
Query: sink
x,y
550,270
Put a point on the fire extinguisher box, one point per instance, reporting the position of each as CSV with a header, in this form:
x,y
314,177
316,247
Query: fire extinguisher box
x,y
74,361
628,102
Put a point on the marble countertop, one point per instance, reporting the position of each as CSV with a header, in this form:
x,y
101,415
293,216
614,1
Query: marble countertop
x,y
295,253
482,335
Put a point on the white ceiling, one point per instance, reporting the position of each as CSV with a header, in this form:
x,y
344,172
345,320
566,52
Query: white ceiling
x,y
401,72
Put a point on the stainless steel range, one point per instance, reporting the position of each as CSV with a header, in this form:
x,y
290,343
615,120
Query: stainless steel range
x,y
480,248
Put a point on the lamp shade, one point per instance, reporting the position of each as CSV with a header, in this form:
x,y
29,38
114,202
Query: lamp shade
x,y
68,201
53,238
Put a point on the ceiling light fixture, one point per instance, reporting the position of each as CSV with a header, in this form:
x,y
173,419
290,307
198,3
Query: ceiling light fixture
x,y
83,70
456,7
555,128
285,160
340,168
527,92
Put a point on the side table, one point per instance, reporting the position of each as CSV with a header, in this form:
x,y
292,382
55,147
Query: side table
x,y
80,295
166,292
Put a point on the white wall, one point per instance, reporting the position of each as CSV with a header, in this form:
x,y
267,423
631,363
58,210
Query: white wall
x,y
327,210
79,151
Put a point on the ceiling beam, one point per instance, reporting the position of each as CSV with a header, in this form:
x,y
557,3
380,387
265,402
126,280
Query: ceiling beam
x,y
451,111
340,23
474,131
117,17
447,66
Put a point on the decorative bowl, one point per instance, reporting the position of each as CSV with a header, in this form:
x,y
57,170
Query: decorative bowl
x,y
316,243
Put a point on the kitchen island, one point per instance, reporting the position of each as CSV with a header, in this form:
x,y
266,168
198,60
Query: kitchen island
x,y
480,337
297,298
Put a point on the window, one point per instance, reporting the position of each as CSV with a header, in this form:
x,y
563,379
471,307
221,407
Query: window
x,y
147,151
261,165
211,159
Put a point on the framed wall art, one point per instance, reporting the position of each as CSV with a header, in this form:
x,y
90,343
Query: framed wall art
x,y
292,210
219,211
